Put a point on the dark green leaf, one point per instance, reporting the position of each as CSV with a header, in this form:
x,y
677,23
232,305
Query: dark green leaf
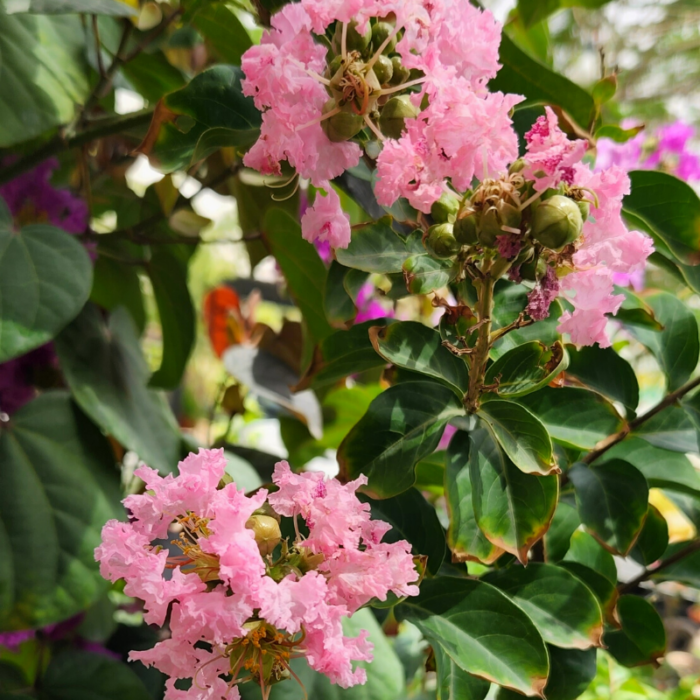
x,y
513,509
533,11
338,304
481,630
612,500
430,473
375,248
424,274
585,550
603,370
642,639
653,539
523,75
414,520
662,468
677,346
527,368
601,587
59,487
455,684
402,426
169,279
45,278
115,284
671,429
466,541
558,537
222,29
50,7
73,675
302,268
107,375
416,347
152,75
636,312
50,47
521,435
574,417
670,208
686,570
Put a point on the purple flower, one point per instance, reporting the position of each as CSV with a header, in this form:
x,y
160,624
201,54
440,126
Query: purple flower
x,y
541,297
368,308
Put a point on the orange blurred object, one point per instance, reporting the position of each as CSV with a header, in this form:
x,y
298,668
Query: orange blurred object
x,y
222,313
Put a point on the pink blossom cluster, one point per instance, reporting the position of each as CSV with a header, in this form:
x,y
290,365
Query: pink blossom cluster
x,y
464,131
606,246
225,602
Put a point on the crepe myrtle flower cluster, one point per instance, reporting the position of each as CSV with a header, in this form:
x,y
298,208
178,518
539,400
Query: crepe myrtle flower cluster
x,y
405,80
242,601
553,221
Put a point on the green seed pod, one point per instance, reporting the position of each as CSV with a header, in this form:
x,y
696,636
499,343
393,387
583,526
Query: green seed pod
x,y
383,69
334,66
529,271
342,126
445,209
556,222
441,241
466,230
517,166
267,532
584,206
354,41
393,115
400,73
495,218
380,32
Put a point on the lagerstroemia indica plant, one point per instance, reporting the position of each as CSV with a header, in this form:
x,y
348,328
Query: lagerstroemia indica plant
x,y
465,349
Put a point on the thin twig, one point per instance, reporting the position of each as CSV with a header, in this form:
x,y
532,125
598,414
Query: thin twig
x,y
98,46
691,548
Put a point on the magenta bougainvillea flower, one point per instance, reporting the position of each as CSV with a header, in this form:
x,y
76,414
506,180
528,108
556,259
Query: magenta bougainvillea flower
x,y
240,601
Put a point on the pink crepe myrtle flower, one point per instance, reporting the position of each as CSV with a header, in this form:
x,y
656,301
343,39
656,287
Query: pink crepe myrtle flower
x,y
231,588
325,221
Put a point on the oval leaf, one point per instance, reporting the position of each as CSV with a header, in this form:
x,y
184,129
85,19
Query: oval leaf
x,y
375,248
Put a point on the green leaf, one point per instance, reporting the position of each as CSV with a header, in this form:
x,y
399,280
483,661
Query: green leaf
x,y
45,278
523,75
222,29
343,353
574,417
338,304
570,673
107,375
152,75
533,11
412,519
521,435
43,72
424,274
466,541
563,609
430,473
168,276
527,368
59,487
670,208
685,571
584,549
604,90
636,312
558,538
604,371
416,347
671,429
642,639
343,407
677,346
513,509
662,469
375,248
51,7
481,630
612,500
115,284
616,133
78,674
653,539
455,684
302,268
402,426
602,588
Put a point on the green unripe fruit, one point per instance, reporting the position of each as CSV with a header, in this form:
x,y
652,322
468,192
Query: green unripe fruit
x,y
584,206
531,271
495,218
267,532
556,222
466,230
441,241
445,209
334,66
383,69
380,32
400,72
342,126
517,166
354,41
392,120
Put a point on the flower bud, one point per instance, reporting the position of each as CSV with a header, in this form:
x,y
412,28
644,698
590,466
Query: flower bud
x,y
556,222
400,72
517,166
495,218
532,271
465,230
445,209
380,32
584,206
342,126
267,532
354,41
393,115
383,69
441,241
